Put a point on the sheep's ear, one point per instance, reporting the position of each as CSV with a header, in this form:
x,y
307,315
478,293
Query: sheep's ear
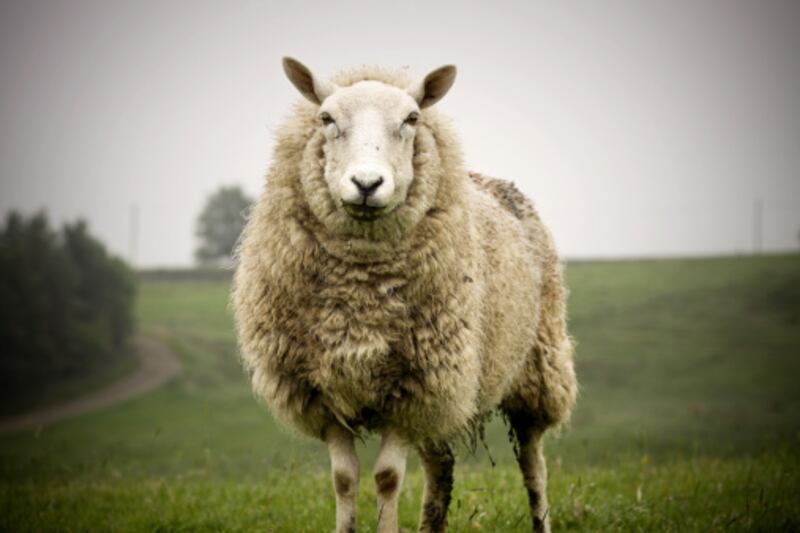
x,y
313,88
434,86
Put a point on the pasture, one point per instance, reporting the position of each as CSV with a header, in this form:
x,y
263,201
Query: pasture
x,y
688,420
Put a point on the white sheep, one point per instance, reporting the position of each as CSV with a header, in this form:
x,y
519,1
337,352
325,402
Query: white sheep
x,y
381,288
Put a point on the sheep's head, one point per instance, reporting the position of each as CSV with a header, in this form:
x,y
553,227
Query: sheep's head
x,y
369,129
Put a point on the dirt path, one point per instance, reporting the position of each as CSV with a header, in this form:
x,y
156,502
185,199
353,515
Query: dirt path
x,y
158,365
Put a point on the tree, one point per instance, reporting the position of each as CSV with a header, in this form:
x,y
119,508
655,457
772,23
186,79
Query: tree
x,y
220,223
65,307
106,287
37,304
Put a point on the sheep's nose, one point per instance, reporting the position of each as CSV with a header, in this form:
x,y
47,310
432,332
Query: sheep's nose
x,y
367,183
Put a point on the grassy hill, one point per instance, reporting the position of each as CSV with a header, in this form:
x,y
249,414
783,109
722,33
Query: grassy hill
x,y
689,419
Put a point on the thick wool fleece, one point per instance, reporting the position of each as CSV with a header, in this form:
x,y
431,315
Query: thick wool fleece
x,y
424,320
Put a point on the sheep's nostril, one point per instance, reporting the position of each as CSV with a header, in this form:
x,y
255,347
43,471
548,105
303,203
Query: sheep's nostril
x,y
366,188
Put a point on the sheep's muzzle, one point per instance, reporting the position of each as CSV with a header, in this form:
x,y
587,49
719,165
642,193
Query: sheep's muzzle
x,y
363,212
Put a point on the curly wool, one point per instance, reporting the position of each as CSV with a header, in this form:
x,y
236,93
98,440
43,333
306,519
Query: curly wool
x,y
424,320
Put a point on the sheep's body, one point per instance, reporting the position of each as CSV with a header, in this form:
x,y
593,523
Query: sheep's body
x,y
423,323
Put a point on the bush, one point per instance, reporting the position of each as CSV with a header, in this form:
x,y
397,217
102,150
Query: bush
x,y
65,306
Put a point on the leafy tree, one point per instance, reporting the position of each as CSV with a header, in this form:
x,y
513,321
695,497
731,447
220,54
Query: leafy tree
x,y
106,287
37,304
65,306
220,223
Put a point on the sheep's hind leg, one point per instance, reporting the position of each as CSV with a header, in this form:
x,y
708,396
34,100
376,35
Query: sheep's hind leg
x,y
438,461
390,469
530,456
345,471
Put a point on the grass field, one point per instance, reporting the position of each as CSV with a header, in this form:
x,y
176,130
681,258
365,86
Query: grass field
x,y
688,420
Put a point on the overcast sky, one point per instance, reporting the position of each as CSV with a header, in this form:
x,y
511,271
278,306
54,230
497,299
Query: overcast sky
x,y
638,128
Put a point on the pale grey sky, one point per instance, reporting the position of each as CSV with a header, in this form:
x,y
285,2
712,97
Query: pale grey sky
x,y
638,128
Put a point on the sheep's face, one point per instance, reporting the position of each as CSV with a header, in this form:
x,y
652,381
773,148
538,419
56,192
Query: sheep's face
x,y
369,130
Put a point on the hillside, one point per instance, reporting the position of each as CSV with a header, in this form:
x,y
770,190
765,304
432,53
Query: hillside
x,y
688,419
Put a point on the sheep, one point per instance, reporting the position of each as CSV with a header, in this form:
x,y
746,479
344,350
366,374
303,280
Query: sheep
x,y
381,288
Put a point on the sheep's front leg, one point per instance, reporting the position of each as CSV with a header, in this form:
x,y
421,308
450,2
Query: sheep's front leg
x,y
390,469
344,468
530,457
438,461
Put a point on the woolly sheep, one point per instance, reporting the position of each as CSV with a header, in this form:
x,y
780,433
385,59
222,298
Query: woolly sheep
x,y
382,288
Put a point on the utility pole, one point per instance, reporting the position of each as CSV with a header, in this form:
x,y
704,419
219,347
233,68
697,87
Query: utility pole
x,y
133,234
758,214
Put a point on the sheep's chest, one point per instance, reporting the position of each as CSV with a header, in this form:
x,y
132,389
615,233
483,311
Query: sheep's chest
x,y
358,323
385,345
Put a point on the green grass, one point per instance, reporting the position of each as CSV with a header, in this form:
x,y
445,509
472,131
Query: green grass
x,y
693,495
688,420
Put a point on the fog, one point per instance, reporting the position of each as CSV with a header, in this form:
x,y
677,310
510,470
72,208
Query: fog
x,y
638,128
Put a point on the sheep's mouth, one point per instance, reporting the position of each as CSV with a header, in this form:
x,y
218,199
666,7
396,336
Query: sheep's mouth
x,y
363,212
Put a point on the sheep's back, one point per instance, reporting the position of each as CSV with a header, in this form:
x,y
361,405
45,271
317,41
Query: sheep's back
x,y
517,250
527,303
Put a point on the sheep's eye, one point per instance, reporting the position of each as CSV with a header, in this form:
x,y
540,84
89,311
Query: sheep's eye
x,y
326,119
412,118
